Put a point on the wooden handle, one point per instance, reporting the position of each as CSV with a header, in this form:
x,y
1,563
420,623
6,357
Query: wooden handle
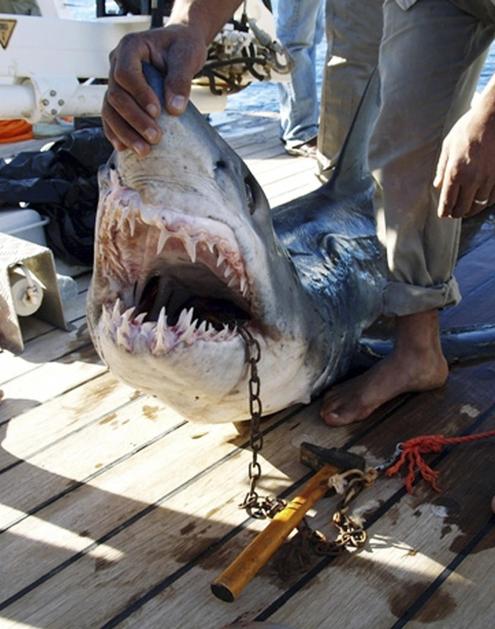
x,y
240,572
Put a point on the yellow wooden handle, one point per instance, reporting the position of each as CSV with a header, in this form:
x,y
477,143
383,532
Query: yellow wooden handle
x,y
240,572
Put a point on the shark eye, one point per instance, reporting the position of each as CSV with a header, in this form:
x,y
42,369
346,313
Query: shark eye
x,y
250,195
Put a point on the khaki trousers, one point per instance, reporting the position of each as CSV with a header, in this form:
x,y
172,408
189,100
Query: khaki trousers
x,y
429,62
430,56
354,30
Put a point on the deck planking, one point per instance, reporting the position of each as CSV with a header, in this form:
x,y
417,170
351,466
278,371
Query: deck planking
x,y
117,513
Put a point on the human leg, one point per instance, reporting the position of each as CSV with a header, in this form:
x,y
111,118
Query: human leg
x,y
354,30
430,58
299,30
416,364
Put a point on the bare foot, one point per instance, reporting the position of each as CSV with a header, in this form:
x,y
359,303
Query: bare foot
x,y
416,364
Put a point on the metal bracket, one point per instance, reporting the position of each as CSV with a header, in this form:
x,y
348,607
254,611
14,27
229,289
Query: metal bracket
x,y
51,94
39,261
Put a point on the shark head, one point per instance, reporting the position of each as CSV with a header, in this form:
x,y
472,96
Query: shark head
x,y
186,256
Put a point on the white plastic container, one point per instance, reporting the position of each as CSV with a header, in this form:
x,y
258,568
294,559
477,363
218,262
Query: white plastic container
x,y
24,223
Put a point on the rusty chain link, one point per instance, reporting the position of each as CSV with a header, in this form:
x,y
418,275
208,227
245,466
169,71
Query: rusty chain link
x,y
256,506
298,554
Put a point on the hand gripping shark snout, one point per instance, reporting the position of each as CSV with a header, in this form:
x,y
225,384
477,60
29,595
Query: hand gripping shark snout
x,y
187,251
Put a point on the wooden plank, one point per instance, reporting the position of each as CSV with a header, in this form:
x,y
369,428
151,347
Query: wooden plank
x,y
44,349
266,151
292,189
49,381
288,181
280,164
257,141
118,495
409,547
287,167
268,586
465,599
24,488
208,507
249,130
265,141
48,424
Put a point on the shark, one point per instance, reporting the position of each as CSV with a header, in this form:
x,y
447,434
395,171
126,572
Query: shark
x,y
190,259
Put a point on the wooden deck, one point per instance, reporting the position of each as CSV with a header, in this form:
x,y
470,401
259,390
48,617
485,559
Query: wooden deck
x,y
116,512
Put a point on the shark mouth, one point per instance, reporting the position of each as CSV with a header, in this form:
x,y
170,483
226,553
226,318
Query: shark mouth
x,y
175,279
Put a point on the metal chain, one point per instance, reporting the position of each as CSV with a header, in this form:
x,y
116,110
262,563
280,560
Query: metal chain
x,y
298,554
350,530
256,506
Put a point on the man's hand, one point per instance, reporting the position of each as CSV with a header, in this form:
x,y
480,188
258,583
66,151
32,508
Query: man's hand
x,y
466,168
130,108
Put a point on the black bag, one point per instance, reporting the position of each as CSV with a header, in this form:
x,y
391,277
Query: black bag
x,y
61,183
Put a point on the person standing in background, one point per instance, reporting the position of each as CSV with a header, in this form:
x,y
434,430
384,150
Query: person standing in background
x,y
300,28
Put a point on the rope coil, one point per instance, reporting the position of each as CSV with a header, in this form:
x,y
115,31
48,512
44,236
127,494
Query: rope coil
x,y
413,449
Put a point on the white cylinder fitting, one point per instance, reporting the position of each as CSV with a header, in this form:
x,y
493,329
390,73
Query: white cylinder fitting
x,y
26,291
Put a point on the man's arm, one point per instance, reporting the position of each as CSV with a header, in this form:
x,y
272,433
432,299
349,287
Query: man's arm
x,y
210,16
465,173
131,107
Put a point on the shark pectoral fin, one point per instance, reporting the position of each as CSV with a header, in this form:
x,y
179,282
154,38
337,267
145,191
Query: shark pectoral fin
x,y
469,343
462,344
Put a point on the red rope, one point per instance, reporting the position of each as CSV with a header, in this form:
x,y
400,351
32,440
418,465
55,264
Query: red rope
x,y
413,449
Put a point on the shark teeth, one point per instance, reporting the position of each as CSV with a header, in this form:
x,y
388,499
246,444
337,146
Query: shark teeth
x,y
123,209
127,218
162,241
160,345
131,219
185,319
123,217
226,261
243,285
133,333
116,310
205,241
190,247
189,243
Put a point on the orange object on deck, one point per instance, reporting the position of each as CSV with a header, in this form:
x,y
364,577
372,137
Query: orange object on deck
x,y
413,449
15,131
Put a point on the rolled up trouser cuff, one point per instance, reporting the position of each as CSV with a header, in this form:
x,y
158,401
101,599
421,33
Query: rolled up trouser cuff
x,y
400,299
